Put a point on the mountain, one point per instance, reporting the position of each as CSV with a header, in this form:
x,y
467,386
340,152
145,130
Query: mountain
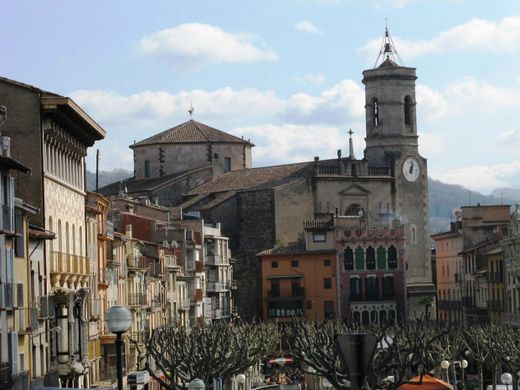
x,y
106,177
444,198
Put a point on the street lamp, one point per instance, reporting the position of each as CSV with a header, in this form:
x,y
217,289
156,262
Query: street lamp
x,y
445,365
463,366
506,378
118,320
241,380
197,384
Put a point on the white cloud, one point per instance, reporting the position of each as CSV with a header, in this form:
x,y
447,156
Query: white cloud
x,y
431,104
477,34
311,78
195,44
306,26
287,143
431,144
391,3
482,178
339,104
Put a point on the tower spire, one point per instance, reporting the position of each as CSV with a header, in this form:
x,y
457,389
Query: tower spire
x,y
388,55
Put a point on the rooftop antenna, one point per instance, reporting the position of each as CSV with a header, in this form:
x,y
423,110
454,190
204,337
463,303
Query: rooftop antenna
x,y
388,50
191,109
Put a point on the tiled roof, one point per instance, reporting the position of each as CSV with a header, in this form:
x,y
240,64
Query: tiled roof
x,y
291,248
191,132
255,178
133,185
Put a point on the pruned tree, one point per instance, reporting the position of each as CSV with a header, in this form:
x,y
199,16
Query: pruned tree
x,y
218,350
313,345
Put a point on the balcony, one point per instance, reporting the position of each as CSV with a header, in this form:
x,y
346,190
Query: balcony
x,y
231,285
105,230
171,296
215,286
6,219
137,300
156,302
136,263
295,295
68,270
327,171
378,171
170,261
214,260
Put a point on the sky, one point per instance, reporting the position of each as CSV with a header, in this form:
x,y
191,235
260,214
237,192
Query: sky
x,y
285,74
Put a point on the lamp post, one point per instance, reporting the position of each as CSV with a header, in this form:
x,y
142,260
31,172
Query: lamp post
x,y
241,380
197,384
118,320
463,366
445,365
506,378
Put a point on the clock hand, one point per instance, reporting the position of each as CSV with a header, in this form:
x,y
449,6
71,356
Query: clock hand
x,y
411,167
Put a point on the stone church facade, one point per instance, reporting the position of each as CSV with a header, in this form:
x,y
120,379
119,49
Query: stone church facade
x,y
262,207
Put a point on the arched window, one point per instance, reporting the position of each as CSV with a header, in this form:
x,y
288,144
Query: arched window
x,y
51,228
80,241
60,237
375,111
371,258
360,259
73,239
348,259
67,238
392,257
407,110
354,210
381,257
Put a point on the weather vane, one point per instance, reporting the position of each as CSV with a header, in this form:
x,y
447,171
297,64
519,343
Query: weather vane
x,y
191,109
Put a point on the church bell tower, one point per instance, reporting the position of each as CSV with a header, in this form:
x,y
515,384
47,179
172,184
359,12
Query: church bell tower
x,y
392,142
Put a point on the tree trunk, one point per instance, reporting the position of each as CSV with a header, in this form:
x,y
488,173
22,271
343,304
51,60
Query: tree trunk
x,y
481,375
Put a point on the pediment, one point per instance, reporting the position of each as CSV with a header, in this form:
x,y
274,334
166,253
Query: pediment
x,y
355,189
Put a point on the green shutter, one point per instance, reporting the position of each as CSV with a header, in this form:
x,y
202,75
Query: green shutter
x,y
381,257
360,259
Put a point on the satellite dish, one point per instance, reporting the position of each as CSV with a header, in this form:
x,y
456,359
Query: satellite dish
x,y
165,244
174,244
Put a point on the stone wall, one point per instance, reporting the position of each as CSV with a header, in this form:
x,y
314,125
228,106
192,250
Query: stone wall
x,y
256,227
23,126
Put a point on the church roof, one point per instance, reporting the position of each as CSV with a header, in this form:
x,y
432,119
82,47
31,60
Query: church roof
x,y
191,132
388,63
134,185
254,178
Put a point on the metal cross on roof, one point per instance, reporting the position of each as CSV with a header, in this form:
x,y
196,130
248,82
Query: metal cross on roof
x,y
350,132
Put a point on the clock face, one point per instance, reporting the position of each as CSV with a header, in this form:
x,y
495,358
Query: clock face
x,y
411,169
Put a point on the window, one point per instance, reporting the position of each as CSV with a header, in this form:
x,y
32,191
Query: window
x,y
146,168
295,263
371,258
296,289
407,110
372,288
328,307
275,288
375,109
355,289
348,259
360,259
227,164
381,257
19,248
392,257
354,210
319,236
388,287
326,263
327,283
274,264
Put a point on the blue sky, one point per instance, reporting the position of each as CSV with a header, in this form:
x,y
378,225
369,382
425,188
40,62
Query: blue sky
x,y
285,73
